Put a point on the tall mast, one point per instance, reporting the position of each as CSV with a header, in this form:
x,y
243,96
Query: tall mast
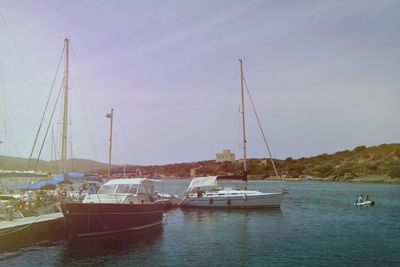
x,y
243,121
110,116
64,141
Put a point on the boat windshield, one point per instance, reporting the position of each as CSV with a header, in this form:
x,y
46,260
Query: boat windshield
x,y
126,189
118,189
107,189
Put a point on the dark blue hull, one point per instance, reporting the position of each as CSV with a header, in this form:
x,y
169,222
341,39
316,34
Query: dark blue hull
x,y
94,219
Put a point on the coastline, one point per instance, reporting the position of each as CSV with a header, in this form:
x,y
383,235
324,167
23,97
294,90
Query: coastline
x,y
372,179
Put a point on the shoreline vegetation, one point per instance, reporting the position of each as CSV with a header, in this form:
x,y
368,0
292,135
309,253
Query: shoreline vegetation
x,y
375,164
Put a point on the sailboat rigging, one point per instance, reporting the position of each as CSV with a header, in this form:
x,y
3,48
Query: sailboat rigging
x,y
64,141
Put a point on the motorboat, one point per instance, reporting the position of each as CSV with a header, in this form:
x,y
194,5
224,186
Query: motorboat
x,y
119,205
205,192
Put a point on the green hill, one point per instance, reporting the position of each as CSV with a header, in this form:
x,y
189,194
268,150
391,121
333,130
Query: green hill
x,y
23,164
368,164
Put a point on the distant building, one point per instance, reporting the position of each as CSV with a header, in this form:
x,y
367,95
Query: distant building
x,y
226,155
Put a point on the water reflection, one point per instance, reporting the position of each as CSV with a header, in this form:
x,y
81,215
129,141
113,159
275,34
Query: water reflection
x,y
204,215
101,249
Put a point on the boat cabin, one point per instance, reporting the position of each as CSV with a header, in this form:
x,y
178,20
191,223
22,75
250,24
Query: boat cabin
x,y
130,191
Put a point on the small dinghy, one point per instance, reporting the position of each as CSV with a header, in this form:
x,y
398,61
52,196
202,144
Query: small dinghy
x,y
364,203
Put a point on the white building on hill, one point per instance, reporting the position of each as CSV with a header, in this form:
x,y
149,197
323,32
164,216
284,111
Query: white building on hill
x,y
226,155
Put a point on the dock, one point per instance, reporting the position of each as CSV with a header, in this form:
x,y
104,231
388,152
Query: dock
x,y
30,230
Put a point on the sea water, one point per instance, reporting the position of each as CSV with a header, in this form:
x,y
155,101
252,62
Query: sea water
x,y
317,225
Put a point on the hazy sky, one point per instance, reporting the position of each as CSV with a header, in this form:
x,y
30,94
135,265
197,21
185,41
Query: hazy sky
x,y
324,76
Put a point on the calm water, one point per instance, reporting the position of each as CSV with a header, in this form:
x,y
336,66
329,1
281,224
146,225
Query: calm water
x,y
317,225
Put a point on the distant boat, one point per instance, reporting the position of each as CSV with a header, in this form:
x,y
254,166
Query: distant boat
x,y
364,203
205,192
119,205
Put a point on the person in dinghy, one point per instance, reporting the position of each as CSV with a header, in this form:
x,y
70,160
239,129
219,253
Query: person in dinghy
x,y
361,201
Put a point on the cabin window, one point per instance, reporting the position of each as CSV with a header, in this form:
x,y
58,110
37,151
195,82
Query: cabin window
x,y
132,189
107,189
143,189
122,189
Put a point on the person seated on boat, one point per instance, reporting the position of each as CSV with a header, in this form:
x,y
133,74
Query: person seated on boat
x,y
91,190
199,192
367,198
360,199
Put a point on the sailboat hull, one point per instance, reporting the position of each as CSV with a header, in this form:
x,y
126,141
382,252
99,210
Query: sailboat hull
x,y
264,200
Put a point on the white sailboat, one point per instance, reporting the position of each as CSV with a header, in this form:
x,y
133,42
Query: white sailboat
x,y
205,192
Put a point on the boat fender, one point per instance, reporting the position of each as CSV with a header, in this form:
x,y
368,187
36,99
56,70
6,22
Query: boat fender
x,y
229,201
245,197
211,201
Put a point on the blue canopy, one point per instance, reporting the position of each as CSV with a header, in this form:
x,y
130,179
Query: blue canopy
x,y
66,178
61,178
57,179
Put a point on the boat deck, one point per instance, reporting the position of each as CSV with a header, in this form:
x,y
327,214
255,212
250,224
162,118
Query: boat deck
x,y
29,220
28,230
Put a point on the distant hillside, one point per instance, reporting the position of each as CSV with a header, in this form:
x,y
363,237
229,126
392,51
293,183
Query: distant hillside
x,y
376,163
369,164
23,164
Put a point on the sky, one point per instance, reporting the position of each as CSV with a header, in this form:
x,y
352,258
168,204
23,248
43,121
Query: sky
x,y
324,77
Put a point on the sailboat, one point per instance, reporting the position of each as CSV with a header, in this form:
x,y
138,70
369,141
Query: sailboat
x,y
119,205
205,192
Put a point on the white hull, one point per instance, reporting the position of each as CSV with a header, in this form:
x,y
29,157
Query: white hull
x,y
261,200
365,203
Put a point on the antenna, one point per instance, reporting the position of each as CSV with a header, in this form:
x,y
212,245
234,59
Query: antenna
x,y
110,116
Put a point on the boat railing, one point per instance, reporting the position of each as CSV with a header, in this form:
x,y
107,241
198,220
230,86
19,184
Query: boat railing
x,y
116,198
98,198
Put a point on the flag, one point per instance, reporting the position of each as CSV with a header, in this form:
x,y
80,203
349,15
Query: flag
x,y
108,115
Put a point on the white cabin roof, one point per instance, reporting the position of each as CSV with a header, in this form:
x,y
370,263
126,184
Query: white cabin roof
x,y
129,181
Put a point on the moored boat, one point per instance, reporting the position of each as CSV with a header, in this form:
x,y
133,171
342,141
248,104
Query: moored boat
x,y
205,192
119,205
